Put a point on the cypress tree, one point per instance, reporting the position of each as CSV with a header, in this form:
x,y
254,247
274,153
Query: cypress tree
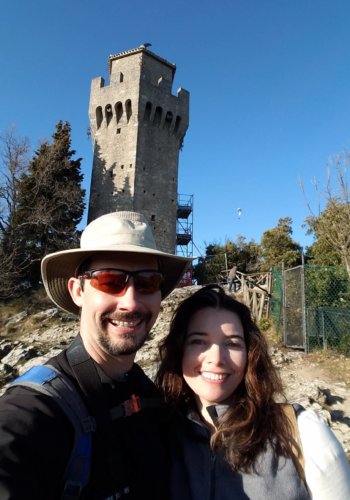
x,y
51,203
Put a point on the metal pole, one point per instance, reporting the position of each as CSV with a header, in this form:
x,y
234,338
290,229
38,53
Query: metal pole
x,y
284,305
303,307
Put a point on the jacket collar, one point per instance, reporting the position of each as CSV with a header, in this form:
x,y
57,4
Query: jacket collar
x,y
215,412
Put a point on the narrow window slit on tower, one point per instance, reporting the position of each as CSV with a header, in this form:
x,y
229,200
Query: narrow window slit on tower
x,y
119,111
128,110
168,120
177,124
158,116
99,116
109,113
148,110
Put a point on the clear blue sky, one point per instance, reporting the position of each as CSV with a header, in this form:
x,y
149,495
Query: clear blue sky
x,y
269,84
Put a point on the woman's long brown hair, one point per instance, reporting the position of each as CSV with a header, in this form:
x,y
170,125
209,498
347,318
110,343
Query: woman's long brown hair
x,y
254,418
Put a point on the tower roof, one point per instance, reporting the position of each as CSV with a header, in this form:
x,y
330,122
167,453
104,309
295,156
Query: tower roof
x,y
141,48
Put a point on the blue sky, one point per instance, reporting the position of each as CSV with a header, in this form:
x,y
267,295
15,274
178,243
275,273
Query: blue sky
x,y
269,84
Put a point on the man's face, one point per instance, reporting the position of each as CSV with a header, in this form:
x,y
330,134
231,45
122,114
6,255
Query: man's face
x,y
115,325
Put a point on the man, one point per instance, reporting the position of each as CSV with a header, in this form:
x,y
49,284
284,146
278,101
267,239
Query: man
x,y
115,281
232,278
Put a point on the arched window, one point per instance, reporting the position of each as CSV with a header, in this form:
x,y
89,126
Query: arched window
x,y
108,113
158,116
168,120
128,110
148,111
99,116
119,111
177,124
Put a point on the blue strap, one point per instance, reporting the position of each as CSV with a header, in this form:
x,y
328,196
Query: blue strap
x,y
37,374
78,472
51,382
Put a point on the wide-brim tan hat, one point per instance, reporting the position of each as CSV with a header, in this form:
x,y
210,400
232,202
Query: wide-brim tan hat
x,y
122,232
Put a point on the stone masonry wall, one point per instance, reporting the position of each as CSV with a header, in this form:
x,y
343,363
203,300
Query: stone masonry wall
x,y
137,129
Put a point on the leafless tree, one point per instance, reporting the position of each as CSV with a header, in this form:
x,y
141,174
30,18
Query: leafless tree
x,y
331,226
13,163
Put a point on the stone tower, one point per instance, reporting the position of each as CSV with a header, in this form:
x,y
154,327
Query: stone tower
x,y
137,128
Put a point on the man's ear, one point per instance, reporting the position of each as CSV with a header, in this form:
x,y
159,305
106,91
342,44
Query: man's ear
x,y
76,291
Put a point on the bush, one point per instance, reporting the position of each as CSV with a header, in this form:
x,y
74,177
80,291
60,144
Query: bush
x,y
264,324
344,345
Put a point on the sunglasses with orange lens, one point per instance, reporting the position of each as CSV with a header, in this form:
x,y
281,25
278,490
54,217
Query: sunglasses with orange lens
x,y
115,281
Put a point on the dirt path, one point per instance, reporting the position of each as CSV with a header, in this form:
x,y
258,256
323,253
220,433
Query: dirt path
x,y
319,386
302,374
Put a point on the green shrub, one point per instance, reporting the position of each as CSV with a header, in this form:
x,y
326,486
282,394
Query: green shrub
x,y
264,324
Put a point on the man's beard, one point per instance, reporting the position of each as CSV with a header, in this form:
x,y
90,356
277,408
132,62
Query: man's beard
x,y
126,344
129,344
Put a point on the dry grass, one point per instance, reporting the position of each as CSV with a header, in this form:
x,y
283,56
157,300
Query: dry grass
x,y
32,302
335,366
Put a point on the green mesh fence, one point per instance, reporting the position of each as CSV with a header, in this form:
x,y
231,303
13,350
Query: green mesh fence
x,y
276,310
326,305
327,308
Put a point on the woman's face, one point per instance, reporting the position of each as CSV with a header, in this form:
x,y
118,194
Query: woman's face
x,y
215,355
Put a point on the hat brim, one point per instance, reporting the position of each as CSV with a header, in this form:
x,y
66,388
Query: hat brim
x,y
57,268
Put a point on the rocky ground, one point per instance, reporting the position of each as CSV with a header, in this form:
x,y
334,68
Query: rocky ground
x,y
28,339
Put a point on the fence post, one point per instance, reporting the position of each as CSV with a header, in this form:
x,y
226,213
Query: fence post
x,y
284,304
303,302
324,336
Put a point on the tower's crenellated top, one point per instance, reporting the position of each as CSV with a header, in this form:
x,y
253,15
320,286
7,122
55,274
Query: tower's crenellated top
x,y
137,50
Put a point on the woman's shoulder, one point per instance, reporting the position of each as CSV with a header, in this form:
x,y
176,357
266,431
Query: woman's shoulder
x,y
314,429
327,469
316,435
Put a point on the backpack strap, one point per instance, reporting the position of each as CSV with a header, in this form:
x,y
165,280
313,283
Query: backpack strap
x,y
134,405
51,382
86,375
85,372
291,412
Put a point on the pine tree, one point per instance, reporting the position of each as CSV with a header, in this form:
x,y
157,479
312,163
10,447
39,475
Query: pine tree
x,y
51,203
277,246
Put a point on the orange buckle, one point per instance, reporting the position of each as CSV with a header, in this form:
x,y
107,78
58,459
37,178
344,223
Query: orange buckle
x,y
132,405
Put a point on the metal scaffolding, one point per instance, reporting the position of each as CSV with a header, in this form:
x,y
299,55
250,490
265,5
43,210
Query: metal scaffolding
x,y
184,225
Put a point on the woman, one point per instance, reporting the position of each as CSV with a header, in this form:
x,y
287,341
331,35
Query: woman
x,y
232,439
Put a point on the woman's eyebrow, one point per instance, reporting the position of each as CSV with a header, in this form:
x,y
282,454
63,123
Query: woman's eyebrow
x,y
191,334
235,336
204,334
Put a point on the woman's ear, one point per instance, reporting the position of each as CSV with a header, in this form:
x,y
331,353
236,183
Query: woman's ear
x,y
76,291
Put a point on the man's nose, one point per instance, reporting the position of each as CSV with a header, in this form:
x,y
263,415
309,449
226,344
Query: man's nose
x,y
129,299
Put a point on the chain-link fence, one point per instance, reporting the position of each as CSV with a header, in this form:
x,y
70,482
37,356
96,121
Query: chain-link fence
x,y
327,302
294,334
311,307
276,310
